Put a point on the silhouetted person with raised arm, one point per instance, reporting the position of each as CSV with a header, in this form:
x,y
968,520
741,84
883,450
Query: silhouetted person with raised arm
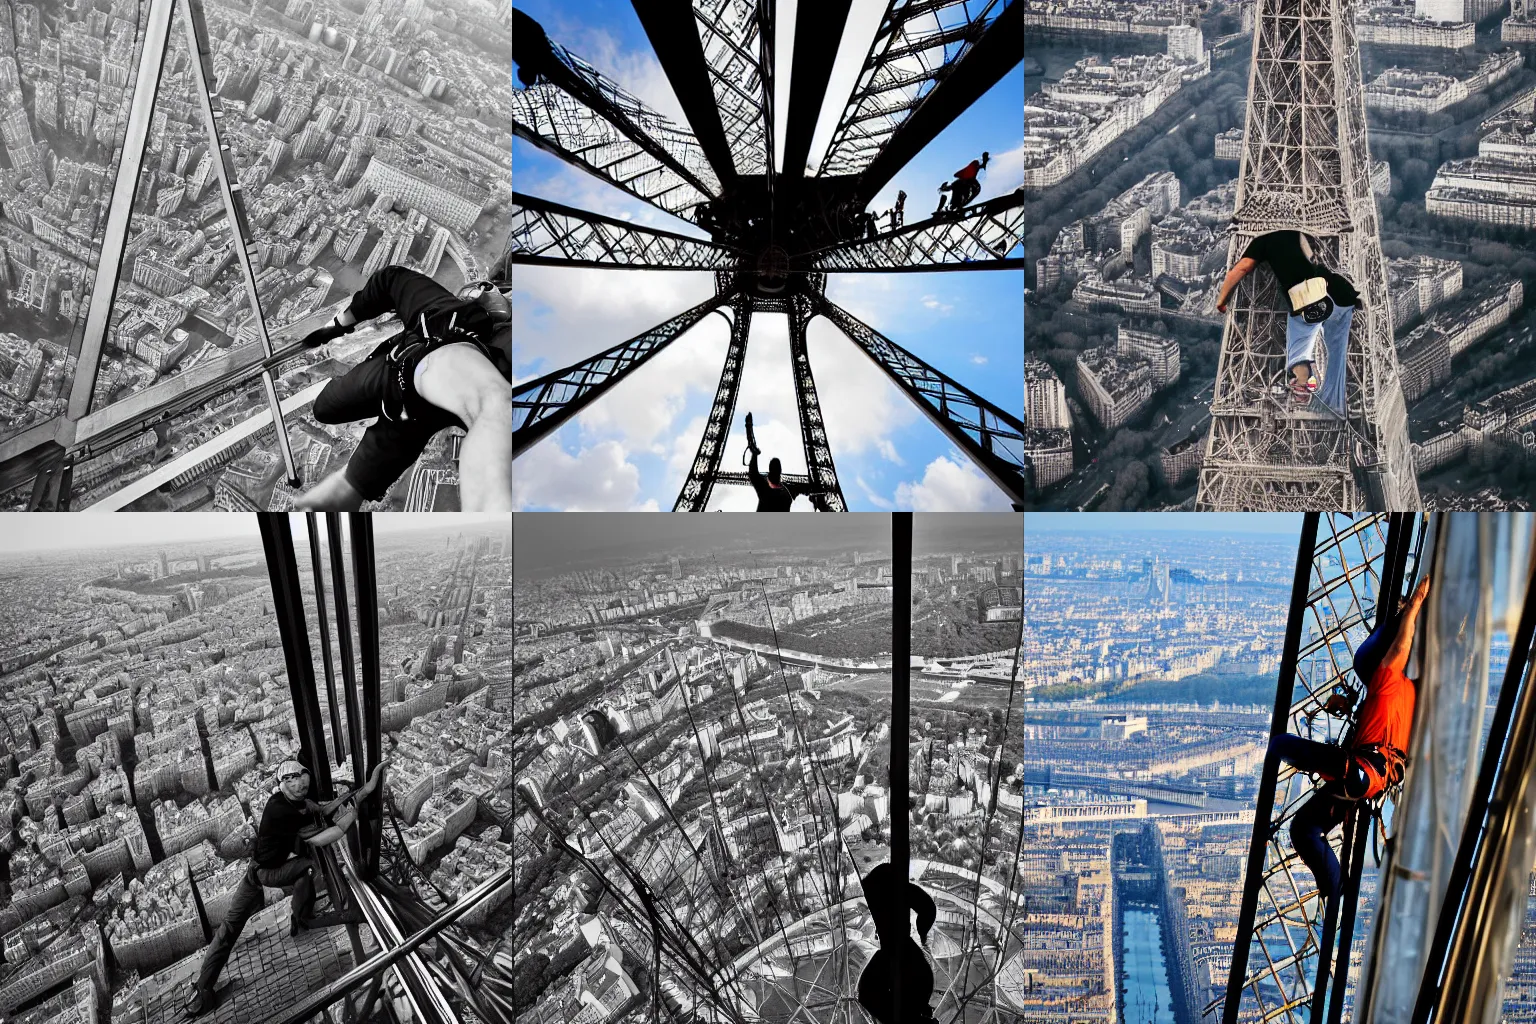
x,y
773,494
894,926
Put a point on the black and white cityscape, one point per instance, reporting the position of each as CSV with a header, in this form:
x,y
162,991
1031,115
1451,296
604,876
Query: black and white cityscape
x,y
356,135
702,751
148,705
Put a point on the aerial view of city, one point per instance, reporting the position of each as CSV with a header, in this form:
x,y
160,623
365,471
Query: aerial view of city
x,y
356,135
148,712
1150,662
1136,113
702,750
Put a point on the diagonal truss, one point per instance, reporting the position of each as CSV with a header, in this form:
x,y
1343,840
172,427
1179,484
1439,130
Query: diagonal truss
x,y
985,237
990,437
1306,167
1342,564
540,406
917,44
694,496
549,233
584,118
813,432
737,37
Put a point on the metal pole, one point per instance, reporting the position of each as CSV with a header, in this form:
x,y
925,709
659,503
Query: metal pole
x,y
901,728
337,736
344,642
234,208
1279,723
371,813
288,603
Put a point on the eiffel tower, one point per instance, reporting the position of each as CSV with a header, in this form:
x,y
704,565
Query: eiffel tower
x,y
1306,167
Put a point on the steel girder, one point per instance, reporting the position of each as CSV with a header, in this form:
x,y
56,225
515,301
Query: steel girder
x,y
370,818
991,438
694,496
1305,167
813,432
582,117
737,38
542,405
962,82
917,44
989,236
549,233
817,40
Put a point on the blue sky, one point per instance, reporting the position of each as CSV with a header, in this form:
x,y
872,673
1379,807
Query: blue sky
x,y
1218,523
631,449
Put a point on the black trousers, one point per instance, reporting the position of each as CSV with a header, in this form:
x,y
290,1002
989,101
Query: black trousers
x,y
247,901
1326,809
388,448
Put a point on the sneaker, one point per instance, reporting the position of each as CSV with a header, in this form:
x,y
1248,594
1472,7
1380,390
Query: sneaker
x,y
1302,391
199,1002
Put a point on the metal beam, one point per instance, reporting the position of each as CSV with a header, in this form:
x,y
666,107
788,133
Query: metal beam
x,y
899,781
549,234
674,35
818,36
370,818
540,406
737,41
313,527
988,236
813,432
288,607
694,496
665,141
344,647
243,241
114,238
991,438
964,80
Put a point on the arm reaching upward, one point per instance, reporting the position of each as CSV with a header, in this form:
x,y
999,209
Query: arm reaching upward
x,y
1402,643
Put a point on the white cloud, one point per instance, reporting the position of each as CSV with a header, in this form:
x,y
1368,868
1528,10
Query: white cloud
x,y
877,500
951,484
979,360
596,479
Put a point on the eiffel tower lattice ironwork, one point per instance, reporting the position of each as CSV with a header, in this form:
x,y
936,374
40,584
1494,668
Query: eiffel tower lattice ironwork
x,y
770,236
1306,166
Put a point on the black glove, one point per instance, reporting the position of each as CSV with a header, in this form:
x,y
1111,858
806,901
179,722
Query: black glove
x,y
330,332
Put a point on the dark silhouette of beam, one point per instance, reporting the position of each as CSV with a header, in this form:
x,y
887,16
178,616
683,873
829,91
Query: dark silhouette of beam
x,y
994,55
818,35
674,35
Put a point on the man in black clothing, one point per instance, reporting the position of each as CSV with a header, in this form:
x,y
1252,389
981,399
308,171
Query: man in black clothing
x,y
1322,305
290,825
894,926
450,365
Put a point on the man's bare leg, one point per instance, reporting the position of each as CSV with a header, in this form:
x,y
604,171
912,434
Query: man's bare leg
x,y
333,494
460,380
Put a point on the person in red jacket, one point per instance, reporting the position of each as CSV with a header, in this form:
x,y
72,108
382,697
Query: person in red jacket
x,y
1372,756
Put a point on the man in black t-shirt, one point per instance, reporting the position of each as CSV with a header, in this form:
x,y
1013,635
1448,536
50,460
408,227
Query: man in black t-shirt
x,y
290,826
1322,306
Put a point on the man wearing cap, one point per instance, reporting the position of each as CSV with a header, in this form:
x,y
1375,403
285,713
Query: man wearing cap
x,y
450,365
1322,306
290,825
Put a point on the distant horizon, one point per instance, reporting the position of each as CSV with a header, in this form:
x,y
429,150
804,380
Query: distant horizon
x,y
29,533
1276,525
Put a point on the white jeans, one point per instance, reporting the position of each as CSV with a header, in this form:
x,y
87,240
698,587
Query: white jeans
x,y
1301,347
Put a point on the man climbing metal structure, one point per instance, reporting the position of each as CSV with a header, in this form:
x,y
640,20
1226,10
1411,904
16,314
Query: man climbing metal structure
x,y
1306,168
1343,712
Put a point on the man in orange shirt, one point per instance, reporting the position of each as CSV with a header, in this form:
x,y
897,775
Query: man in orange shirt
x,y
1374,751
